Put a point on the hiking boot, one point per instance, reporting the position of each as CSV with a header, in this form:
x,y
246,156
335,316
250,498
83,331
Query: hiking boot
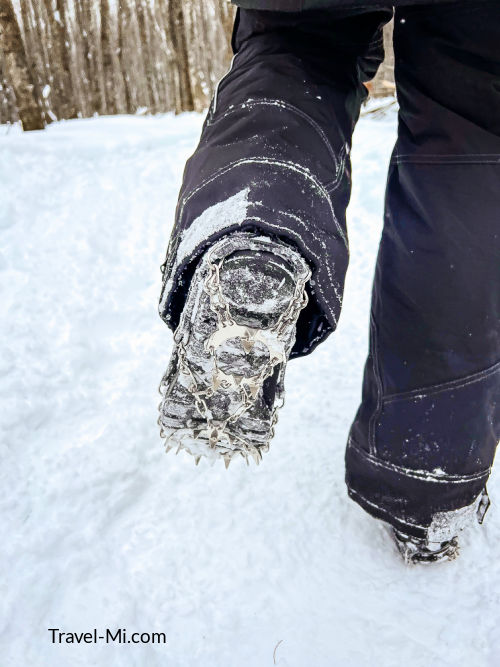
x,y
224,382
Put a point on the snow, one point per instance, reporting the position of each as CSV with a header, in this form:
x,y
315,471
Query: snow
x,y
227,213
101,529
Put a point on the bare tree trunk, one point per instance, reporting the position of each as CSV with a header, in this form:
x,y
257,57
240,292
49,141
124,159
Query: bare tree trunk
x,y
8,112
226,12
196,36
16,69
34,56
62,36
123,22
177,31
60,76
147,64
162,56
170,61
153,52
42,36
108,103
87,32
83,50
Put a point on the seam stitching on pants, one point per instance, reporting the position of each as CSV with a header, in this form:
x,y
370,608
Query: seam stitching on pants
x,y
213,105
423,475
438,160
385,511
300,239
335,284
286,165
171,252
444,386
452,155
378,381
290,107
331,186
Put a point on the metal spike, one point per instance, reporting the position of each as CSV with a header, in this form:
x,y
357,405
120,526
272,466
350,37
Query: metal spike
x,y
197,460
251,332
214,436
255,456
247,344
178,449
254,390
259,453
227,460
168,448
216,381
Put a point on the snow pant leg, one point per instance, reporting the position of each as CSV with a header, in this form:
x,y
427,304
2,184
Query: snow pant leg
x,y
274,151
423,441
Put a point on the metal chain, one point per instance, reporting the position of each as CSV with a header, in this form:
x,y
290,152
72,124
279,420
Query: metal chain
x,y
248,390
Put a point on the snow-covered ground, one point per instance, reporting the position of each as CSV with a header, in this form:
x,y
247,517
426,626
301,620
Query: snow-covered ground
x,y
101,529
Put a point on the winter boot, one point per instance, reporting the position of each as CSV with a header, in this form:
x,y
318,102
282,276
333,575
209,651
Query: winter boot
x,y
224,382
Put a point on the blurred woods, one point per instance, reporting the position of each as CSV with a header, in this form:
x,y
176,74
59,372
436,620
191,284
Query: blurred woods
x,y
62,59
76,58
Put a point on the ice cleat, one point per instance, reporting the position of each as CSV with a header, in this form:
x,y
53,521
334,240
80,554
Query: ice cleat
x,y
418,550
224,382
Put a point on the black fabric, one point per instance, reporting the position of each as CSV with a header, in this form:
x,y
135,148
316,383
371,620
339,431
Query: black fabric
x,y
431,398
281,122
277,138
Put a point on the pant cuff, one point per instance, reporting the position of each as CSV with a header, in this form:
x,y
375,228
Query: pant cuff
x,y
419,503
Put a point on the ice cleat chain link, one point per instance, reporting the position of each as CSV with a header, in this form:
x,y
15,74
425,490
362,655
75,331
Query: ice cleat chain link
x,y
415,550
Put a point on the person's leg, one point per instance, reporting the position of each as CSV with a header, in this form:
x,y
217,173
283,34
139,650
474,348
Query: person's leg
x,y
274,151
423,442
262,205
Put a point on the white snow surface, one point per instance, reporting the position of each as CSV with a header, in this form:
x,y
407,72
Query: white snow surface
x,y
101,529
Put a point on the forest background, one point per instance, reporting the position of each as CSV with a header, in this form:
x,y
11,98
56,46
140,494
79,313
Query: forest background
x,y
64,59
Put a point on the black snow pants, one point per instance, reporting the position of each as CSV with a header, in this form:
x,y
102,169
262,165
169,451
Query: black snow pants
x,y
274,158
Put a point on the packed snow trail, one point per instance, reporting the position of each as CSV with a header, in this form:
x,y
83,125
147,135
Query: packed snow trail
x,y
101,529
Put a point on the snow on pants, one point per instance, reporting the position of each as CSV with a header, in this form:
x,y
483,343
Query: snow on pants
x,y
274,158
